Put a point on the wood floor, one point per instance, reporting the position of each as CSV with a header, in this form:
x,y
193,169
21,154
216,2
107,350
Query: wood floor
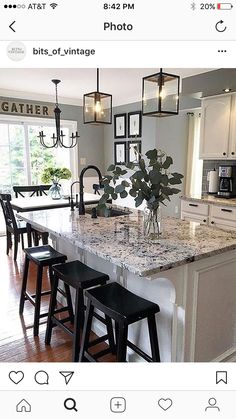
x,y
17,343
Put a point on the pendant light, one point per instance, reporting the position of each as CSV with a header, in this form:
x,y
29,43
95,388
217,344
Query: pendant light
x,y
57,139
160,94
97,106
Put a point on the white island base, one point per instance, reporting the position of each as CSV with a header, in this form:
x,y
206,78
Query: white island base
x,y
197,319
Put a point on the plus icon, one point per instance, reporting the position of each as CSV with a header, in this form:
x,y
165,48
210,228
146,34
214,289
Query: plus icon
x,y
118,405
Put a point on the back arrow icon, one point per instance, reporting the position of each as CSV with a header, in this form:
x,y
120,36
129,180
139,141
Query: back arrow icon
x,y
10,26
219,26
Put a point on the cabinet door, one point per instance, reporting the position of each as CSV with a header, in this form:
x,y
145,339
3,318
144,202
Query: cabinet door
x,y
194,217
215,126
232,141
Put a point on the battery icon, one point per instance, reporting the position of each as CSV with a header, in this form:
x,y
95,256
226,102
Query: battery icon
x,y
224,6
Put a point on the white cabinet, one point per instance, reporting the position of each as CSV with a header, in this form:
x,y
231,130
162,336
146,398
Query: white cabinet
x,y
232,138
215,127
194,211
223,217
220,216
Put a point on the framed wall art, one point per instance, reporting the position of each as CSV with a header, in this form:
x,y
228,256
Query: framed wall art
x,y
120,152
120,125
135,124
133,157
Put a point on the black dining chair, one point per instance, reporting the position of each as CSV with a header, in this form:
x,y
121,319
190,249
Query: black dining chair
x,y
14,227
31,191
27,190
43,189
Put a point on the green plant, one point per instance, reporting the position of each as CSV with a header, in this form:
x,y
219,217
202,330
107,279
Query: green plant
x,y
55,174
151,181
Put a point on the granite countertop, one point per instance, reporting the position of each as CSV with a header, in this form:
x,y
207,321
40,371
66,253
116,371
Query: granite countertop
x,y
211,199
120,240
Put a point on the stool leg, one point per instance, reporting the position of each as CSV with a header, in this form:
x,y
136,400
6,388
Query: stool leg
x,y
153,338
86,330
78,323
52,307
24,284
16,240
38,300
69,303
122,342
45,238
29,235
110,335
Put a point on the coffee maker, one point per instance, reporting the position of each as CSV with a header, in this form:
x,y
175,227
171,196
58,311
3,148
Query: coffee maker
x,y
227,182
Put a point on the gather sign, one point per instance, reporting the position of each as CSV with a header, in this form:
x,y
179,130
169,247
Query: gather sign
x,y
11,107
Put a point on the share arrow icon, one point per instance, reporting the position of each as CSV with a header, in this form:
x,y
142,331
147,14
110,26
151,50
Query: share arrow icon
x,y
67,375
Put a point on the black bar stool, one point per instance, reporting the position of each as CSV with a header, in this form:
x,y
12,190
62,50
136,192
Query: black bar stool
x,y
80,277
125,308
42,256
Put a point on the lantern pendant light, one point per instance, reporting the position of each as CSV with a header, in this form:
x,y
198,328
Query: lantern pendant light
x,y
97,107
160,94
57,140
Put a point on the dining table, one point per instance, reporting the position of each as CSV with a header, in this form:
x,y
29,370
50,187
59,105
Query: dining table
x,y
46,202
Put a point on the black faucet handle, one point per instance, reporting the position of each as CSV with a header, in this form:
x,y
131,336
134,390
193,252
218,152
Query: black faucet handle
x,y
72,204
94,213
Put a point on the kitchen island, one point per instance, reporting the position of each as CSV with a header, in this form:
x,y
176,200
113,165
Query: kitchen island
x,y
189,272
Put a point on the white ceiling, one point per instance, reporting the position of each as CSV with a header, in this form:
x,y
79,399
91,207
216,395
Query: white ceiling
x,y
124,83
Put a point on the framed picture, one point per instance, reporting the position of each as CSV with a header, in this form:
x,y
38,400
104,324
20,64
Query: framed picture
x,y
120,152
120,125
133,157
135,124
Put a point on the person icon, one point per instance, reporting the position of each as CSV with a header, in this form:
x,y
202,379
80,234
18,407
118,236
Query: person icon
x,y
212,404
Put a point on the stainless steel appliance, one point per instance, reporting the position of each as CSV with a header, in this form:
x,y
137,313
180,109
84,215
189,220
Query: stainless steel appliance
x,y
227,181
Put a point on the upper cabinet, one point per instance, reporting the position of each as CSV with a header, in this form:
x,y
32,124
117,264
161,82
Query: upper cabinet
x,y
217,138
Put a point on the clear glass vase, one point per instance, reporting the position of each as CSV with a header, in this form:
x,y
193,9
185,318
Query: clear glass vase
x,y
152,222
55,191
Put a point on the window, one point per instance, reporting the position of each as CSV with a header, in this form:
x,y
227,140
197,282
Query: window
x,y
23,159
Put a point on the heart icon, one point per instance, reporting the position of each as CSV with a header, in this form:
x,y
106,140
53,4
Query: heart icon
x,y
165,404
16,376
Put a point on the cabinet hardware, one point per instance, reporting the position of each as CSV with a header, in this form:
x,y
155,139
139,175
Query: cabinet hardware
x,y
193,205
233,153
226,210
212,222
204,221
224,154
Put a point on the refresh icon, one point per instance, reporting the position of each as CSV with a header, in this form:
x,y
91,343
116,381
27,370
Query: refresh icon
x,y
220,26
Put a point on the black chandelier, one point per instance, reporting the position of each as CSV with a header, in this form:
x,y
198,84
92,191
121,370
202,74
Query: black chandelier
x,y
57,139
97,106
160,94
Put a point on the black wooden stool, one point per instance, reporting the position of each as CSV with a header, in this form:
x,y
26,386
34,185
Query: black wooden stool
x,y
80,277
42,256
124,308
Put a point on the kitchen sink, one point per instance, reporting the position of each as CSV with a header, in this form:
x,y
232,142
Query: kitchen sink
x,y
109,212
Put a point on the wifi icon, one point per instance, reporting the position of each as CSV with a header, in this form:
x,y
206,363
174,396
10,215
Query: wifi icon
x,y
53,5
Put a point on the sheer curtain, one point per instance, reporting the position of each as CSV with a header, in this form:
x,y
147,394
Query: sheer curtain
x,y
193,185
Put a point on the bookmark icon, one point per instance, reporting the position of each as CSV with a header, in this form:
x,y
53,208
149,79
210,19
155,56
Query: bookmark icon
x,y
67,375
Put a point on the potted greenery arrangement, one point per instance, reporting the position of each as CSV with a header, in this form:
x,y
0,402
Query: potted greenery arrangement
x,y
54,175
151,181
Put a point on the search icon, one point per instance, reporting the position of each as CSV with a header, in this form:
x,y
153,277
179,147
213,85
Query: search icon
x,y
70,404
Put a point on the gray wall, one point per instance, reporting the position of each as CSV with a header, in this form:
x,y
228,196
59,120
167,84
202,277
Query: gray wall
x,y
148,132
91,144
170,134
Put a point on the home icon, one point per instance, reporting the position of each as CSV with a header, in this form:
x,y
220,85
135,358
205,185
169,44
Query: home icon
x,y
23,406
